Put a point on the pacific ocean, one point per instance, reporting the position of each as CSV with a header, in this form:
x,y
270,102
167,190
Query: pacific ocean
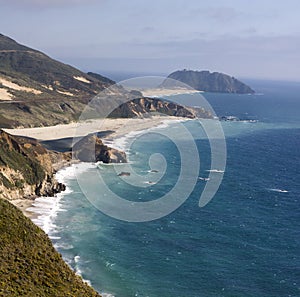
x,y
245,242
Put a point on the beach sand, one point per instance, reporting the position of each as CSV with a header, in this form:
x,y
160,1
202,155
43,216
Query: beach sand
x,y
117,128
159,92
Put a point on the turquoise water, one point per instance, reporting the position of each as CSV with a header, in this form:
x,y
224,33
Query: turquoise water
x,y
245,242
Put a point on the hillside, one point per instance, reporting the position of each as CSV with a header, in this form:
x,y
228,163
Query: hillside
x,y
208,82
36,90
29,264
26,73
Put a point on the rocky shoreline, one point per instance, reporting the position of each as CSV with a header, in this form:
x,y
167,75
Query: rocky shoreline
x,y
27,169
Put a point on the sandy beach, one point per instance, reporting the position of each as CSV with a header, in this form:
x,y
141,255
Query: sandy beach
x,y
118,128
159,92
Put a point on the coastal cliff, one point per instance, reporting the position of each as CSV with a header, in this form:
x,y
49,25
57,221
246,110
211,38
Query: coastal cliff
x,y
27,168
29,264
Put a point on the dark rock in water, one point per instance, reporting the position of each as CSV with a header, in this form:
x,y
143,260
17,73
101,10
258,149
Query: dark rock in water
x,y
92,149
229,119
50,188
123,173
207,81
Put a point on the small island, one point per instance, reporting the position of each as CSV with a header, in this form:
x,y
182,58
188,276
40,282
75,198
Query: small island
x,y
206,81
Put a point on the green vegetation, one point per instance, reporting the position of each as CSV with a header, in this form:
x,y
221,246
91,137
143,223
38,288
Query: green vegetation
x,y
5,182
29,265
61,92
18,160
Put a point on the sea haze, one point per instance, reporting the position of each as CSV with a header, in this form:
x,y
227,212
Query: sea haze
x,y
245,242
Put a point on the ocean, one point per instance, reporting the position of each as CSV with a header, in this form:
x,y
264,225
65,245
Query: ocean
x,y
244,242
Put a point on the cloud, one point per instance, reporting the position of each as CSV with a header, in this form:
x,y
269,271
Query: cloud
x,y
224,14
221,14
40,4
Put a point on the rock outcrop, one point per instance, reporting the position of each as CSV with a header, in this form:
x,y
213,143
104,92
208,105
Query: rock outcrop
x,y
92,149
140,106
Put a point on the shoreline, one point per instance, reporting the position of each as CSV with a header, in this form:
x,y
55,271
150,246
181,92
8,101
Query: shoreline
x,y
43,210
118,129
161,92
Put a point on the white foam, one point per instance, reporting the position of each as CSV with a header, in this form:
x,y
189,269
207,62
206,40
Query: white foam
x,y
107,295
76,259
70,172
215,171
63,246
47,208
121,143
279,190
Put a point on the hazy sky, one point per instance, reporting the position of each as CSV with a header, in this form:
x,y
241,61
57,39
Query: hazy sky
x,y
255,39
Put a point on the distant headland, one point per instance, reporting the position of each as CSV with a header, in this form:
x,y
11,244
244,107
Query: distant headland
x,y
206,81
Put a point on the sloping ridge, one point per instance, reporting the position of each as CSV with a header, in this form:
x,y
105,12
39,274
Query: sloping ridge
x,y
29,264
39,91
30,68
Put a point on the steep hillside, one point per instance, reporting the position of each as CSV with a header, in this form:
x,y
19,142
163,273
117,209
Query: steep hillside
x,y
29,264
208,82
140,106
26,73
36,90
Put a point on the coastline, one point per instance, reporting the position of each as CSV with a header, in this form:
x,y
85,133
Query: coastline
x,y
43,210
115,132
117,127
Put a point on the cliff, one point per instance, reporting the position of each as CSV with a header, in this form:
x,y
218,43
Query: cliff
x,y
208,82
29,265
27,168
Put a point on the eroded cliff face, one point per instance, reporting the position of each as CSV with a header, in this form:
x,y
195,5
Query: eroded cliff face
x,y
27,168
